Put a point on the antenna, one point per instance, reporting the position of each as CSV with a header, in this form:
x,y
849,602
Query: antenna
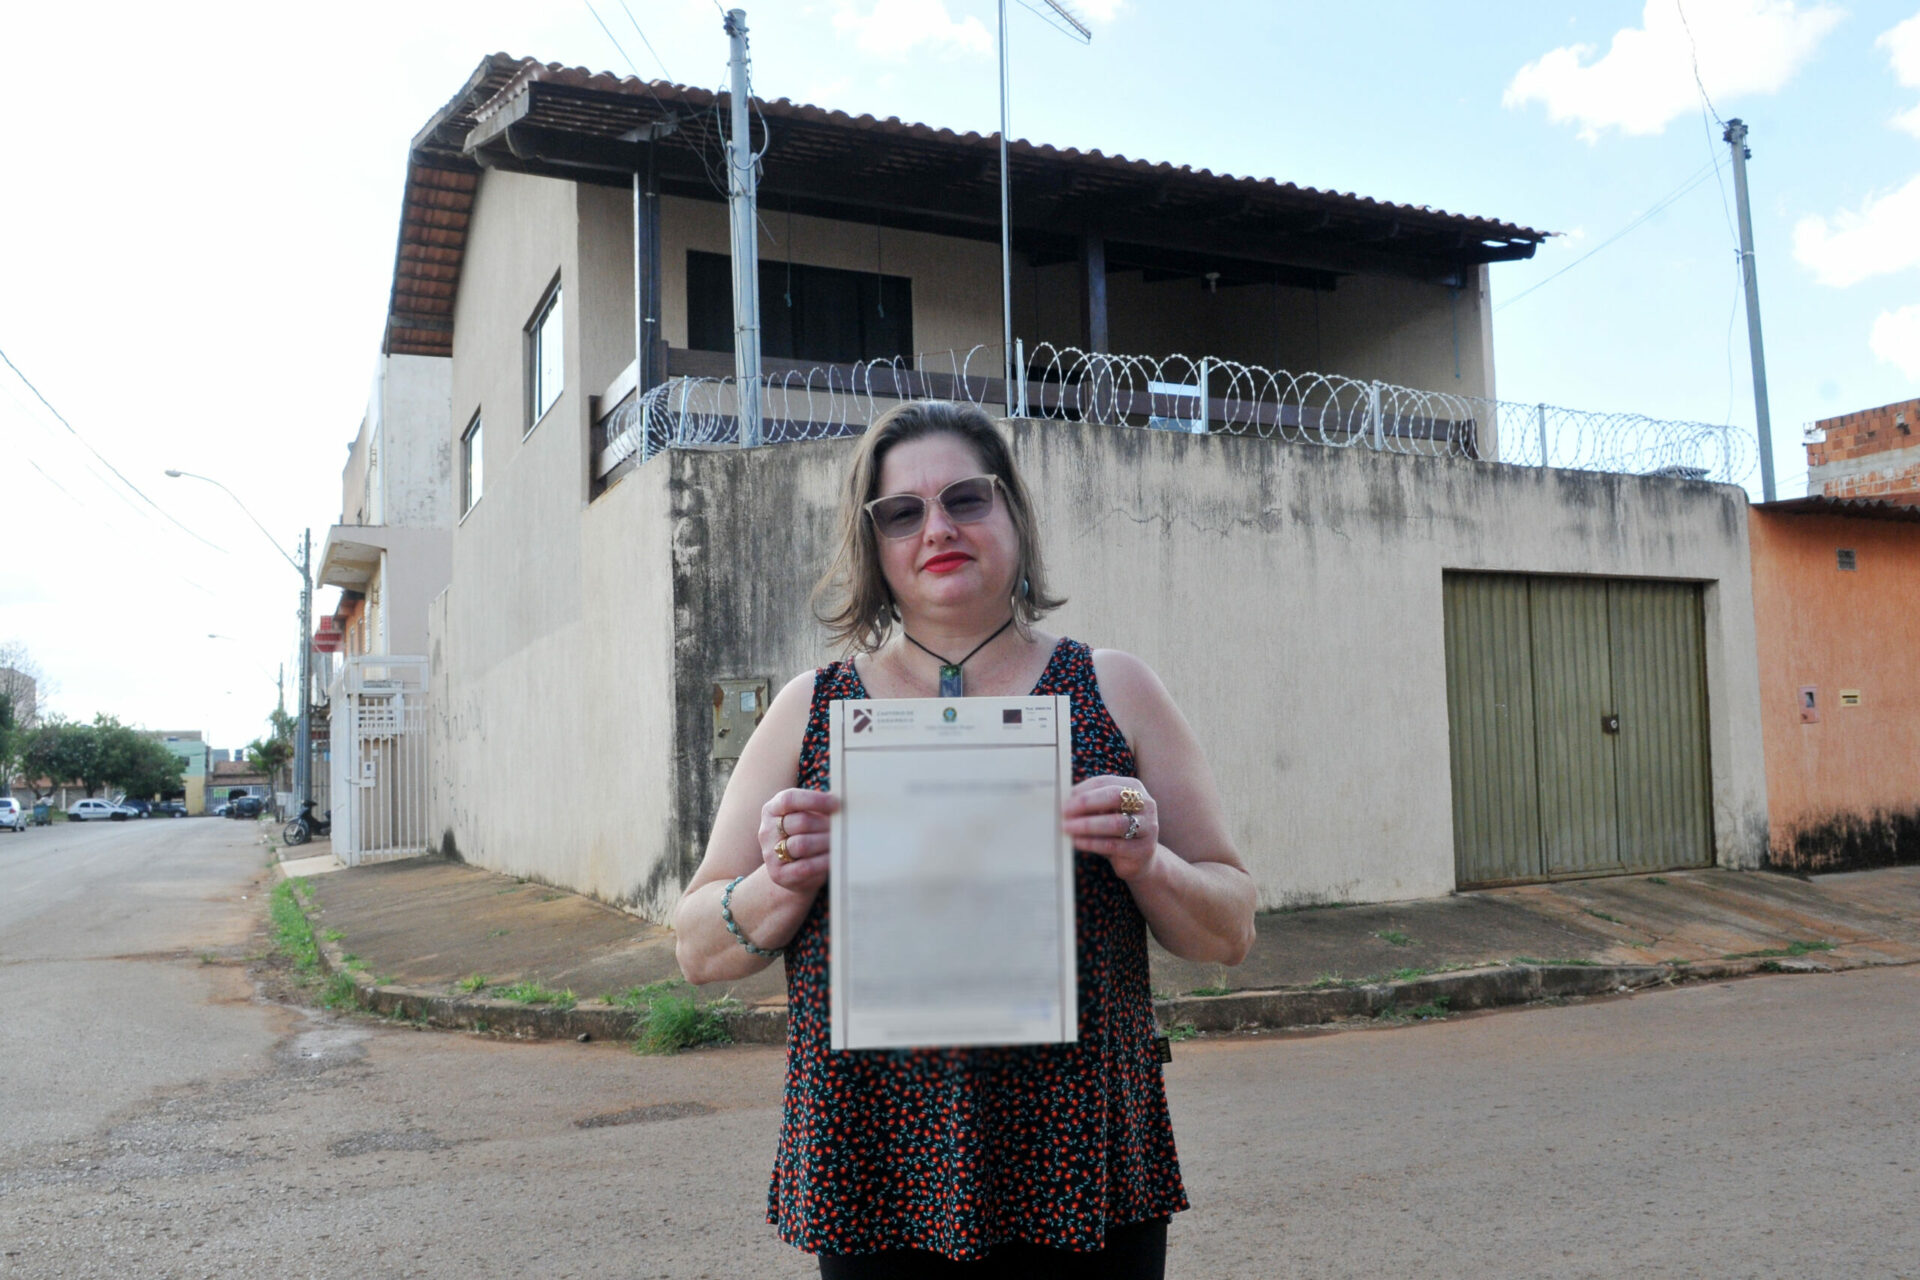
x,y
1006,194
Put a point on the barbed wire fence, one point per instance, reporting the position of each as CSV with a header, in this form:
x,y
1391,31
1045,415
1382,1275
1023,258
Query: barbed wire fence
x,y
1193,394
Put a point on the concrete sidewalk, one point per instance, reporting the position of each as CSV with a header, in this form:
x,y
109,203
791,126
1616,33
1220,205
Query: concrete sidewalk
x,y
437,940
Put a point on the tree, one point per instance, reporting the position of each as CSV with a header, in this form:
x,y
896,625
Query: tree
x,y
60,751
269,755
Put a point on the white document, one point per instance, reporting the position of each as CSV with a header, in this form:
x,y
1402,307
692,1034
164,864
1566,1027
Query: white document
x,y
950,881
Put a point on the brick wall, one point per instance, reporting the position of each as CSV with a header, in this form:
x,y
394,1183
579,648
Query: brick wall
x,y
1874,453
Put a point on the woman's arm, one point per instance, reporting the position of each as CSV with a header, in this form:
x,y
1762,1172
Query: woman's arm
x,y
1184,873
770,905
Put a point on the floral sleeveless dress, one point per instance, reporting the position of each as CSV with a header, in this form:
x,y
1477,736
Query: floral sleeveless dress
x,y
958,1150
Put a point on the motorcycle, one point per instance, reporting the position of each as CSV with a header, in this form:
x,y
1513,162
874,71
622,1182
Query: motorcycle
x,y
306,826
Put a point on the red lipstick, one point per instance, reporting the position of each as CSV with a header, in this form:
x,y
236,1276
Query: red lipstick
x,y
946,562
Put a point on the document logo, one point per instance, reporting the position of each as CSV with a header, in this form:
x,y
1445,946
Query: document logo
x,y
862,720
949,715
1010,716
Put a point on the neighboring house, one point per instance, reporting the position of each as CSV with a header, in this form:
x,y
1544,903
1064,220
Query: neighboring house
x,y
190,745
1836,594
231,778
1874,453
390,556
1402,667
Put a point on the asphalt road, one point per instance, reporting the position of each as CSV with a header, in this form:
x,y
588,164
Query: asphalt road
x,y
158,1119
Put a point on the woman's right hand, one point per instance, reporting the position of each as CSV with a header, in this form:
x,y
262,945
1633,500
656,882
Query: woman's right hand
x,y
797,824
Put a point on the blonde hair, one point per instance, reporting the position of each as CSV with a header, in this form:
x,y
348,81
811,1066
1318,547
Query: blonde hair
x,y
858,606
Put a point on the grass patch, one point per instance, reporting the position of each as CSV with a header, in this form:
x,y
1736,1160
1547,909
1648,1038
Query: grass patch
x,y
1791,949
1211,991
333,935
535,993
474,983
496,933
339,993
1327,980
1181,1031
292,935
1393,937
1601,915
1408,974
1434,1008
667,1020
1656,879
1585,964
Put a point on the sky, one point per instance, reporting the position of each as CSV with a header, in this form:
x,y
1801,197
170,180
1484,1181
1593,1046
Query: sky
x,y
201,208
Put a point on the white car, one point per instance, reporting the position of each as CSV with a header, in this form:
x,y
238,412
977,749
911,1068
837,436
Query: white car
x,y
11,817
97,811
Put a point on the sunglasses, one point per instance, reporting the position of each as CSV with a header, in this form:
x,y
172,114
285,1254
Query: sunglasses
x,y
905,514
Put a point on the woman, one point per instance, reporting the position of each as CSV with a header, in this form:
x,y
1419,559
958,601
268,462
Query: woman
x,y
1025,1160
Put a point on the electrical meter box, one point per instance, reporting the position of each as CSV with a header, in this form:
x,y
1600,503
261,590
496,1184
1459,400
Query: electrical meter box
x,y
737,708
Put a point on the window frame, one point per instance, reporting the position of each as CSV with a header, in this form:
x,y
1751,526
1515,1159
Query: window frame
x,y
473,484
550,307
710,309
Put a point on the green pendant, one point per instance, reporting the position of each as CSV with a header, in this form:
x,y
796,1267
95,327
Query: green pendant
x,y
951,685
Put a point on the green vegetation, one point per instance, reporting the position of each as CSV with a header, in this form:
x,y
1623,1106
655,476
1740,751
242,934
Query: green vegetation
x,y
474,983
1791,949
525,992
496,933
1393,937
1434,1008
1326,980
291,933
1181,1031
667,1021
1656,879
1601,915
333,935
338,993
1534,960
1407,974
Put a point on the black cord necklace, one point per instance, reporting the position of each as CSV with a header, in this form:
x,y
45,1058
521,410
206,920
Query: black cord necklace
x,y
952,683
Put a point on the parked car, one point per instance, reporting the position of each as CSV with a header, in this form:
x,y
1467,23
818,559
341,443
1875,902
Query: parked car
x,y
12,817
137,808
169,809
246,807
220,810
97,811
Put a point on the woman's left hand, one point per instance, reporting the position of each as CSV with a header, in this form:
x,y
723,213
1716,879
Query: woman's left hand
x,y
1116,818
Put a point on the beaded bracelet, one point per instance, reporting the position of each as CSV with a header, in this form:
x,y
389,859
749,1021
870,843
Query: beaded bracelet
x,y
726,914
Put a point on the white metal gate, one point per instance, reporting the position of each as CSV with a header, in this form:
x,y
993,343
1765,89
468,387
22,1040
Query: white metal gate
x,y
379,749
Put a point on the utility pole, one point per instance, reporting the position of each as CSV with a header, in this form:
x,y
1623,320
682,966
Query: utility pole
x,y
744,218
1736,138
1006,231
303,738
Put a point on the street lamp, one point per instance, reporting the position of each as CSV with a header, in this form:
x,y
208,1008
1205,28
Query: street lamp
x,y
303,745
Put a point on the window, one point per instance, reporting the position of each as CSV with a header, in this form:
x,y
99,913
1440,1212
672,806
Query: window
x,y
470,465
546,376
806,313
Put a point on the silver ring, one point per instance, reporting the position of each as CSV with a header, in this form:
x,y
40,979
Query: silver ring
x,y
1133,828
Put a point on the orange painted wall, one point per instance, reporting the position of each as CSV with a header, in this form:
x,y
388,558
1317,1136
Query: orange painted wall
x,y
1820,625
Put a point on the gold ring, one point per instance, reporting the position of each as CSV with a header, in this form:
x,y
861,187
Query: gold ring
x,y
780,851
1132,801
780,824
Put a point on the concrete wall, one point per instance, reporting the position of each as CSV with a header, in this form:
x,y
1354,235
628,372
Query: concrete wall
x,y
1843,790
1290,597
549,652
416,464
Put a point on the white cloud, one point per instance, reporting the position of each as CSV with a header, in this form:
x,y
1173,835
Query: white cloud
x,y
1896,339
894,28
1903,50
1645,79
1877,239
1097,10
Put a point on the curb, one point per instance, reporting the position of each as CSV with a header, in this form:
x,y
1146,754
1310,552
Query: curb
x,y
1462,991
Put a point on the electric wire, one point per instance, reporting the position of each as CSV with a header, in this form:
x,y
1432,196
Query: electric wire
x,y
616,42
643,40
59,417
1693,52
1699,176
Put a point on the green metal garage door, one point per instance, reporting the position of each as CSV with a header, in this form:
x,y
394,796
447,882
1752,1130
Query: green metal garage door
x,y
1577,726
